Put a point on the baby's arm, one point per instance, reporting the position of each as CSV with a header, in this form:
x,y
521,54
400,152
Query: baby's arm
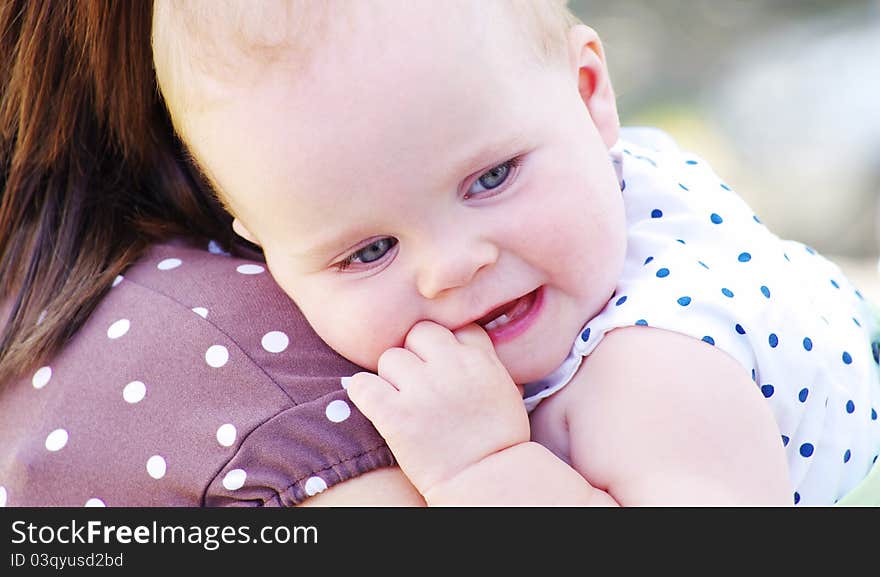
x,y
456,423
658,418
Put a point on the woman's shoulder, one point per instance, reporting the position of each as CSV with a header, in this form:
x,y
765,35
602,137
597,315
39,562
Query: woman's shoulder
x,y
205,290
195,381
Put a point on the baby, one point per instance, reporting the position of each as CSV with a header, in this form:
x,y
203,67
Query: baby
x,y
444,192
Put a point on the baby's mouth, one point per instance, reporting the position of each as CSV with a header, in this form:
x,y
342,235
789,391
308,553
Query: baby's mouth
x,y
507,312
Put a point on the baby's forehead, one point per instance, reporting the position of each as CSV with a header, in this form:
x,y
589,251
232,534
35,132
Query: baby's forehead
x,y
225,67
203,46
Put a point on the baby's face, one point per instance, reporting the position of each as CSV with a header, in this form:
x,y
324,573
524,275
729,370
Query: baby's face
x,y
441,173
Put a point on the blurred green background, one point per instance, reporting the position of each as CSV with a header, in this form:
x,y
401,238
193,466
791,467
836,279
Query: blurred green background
x,y
782,97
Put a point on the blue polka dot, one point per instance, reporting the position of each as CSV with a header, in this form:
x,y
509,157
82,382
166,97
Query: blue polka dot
x,y
754,376
585,336
646,159
850,407
656,213
680,241
765,291
716,219
785,441
773,340
740,329
684,301
758,220
642,322
767,390
873,414
744,257
690,162
875,351
683,187
620,301
797,497
808,343
727,292
786,256
847,358
806,450
708,339
724,186
663,273
810,250
649,259
802,396
622,185
834,284
846,456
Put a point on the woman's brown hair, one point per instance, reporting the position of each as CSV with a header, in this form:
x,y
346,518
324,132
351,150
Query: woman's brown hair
x,y
91,172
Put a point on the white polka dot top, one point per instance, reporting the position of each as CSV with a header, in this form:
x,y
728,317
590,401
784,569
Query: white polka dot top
x,y
195,382
699,262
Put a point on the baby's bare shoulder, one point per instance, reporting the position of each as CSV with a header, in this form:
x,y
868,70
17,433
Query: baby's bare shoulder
x,y
651,411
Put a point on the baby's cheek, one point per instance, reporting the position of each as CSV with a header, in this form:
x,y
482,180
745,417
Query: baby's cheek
x,y
361,333
357,325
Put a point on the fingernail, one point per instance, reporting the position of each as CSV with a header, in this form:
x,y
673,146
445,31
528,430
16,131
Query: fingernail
x,y
344,381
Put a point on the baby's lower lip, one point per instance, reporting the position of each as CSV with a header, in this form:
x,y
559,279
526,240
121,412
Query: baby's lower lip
x,y
521,321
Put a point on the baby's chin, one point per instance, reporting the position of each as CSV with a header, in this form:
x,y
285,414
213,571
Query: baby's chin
x,y
528,370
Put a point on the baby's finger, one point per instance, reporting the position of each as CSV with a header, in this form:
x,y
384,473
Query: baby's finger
x,y
399,367
370,393
427,338
475,336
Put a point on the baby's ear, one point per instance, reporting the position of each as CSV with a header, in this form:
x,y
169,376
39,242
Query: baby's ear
x,y
242,231
594,82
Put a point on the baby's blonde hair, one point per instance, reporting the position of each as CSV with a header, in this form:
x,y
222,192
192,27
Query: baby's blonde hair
x,y
196,42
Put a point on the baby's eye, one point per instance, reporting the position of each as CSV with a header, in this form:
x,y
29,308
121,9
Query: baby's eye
x,y
370,253
493,178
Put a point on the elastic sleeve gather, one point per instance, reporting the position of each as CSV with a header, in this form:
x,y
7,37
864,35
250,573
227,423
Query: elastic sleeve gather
x,y
298,453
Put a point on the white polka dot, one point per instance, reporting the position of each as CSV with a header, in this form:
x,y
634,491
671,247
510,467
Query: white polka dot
x,y
344,381
216,356
226,434
169,263
250,269
234,479
95,502
315,485
118,279
215,248
118,328
337,411
201,311
134,392
275,341
156,467
56,440
41,377
2,496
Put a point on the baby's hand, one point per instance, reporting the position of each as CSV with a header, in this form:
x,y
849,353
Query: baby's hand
x,y
443,403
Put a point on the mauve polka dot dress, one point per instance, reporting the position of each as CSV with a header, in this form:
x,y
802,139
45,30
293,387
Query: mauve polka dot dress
x,y
196,382
699,262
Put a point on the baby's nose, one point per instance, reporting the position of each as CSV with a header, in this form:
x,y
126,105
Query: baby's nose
x,y
454,266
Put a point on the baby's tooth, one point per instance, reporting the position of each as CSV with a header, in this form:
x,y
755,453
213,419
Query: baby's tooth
x,y
501,320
